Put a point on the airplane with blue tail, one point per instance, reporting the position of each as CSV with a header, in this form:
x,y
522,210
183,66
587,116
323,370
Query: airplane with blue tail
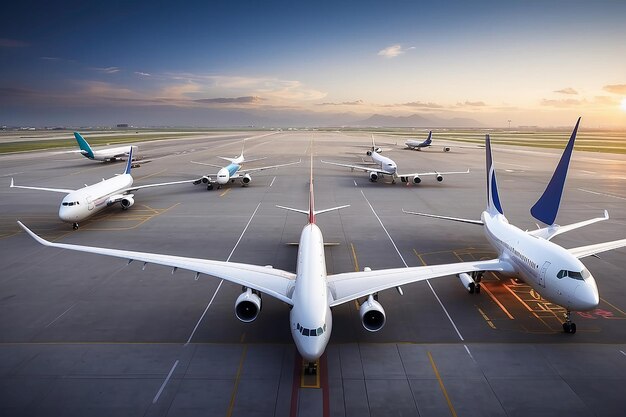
x,y
551,270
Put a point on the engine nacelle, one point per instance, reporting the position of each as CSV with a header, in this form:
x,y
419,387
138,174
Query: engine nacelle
x,y
127,202
439,177
368,153
467,281
206,180
378,150
446,149
246,179
247,306
372,315
373,176
416,180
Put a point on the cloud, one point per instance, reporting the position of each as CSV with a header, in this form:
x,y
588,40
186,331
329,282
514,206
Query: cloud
x,y
393,51
615,88
107,70
345,103
567,90
421,105
563,103
142,74
472,104
12,43
229,100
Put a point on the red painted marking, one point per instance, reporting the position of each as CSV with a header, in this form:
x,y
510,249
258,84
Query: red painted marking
x,y
295,388
324,385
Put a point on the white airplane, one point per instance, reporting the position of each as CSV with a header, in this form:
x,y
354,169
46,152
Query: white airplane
x,y
80,204
553,271
383,166
310,292
104,154
233,171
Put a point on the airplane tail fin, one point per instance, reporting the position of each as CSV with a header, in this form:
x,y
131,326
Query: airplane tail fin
x,y
547,207
84,146
493,198
429,139
129,163
311,212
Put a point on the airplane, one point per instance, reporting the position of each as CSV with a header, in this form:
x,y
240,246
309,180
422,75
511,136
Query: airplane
x,y
233,171
80,204
383,166
551,270
419,145
310,292
105,154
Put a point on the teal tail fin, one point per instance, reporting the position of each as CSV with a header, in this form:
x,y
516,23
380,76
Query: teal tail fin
x,y
493,199
84,146
547,207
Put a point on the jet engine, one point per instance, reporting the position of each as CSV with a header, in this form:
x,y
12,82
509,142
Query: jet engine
x,y
248,306
206,180
377,150
372,315
373,176
439,177
246,179
127,202
416,180
446,149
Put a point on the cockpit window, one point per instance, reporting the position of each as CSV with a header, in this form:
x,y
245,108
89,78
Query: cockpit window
x,y
573,274
311,332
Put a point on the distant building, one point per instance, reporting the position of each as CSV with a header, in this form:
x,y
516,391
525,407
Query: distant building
x,y
122,125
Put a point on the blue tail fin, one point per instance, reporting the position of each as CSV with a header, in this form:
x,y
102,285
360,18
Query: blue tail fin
x,y
129,163
547,207
429,139
84,146
493,199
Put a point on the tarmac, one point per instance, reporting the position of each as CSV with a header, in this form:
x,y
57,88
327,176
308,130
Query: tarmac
x,y
82,334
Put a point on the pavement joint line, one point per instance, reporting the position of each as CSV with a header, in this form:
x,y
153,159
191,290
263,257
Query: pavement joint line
x,y
61,315
169,375
222,281
623,353
602,194
443,388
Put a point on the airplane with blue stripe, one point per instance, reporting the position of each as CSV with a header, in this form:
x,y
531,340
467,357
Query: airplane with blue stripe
x,y
118,153
551,270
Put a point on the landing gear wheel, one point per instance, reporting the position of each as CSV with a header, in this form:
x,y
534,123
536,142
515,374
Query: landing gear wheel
x,y
75,226
209,187
471,288
310,368
568,326
477,288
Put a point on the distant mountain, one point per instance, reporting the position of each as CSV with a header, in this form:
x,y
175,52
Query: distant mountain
x,y
416,120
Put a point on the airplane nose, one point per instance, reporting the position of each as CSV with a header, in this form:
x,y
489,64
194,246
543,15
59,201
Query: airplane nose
x,y
586,296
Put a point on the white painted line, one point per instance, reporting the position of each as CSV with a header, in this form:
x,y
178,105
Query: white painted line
x,y
221,281
272,183
514,165
405,264
588,172
623,353
469,353
355,183
60,315
158,394
602,194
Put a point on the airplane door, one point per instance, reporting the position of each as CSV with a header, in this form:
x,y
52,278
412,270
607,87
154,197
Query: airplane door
x,y
90,204
542,274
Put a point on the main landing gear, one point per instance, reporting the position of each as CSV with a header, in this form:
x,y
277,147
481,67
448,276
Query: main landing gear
x,y
474,287
568,326
75,226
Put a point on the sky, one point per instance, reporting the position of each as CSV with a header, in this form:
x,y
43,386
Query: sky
x,y
227,63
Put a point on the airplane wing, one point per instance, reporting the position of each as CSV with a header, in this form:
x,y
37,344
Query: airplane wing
x,y
248,170
421,174
56,190
352,285
273,282
591,250
362,168
555,230
455,219
141,187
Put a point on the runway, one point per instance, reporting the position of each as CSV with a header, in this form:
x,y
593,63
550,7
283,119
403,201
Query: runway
x,y
83,334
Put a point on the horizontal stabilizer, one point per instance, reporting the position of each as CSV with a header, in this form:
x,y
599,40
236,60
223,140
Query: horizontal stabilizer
x,y
554,230
456,219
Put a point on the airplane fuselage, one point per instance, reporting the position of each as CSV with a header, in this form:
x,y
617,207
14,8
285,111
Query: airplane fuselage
x,y
225,174
87,201
541,264
310,318
109,154
385,164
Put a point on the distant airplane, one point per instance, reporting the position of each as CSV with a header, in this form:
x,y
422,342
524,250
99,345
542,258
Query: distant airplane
x,y
310,292
383,166
80,204
103,154
428,143
233,171
553,271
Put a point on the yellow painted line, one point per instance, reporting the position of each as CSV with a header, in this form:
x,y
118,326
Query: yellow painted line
x,y
317,376
225,192
443,388
520,300
612,306
234,394
498,303
487,319
419,257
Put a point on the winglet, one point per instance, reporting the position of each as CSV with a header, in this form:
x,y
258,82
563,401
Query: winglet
x,y
11,186
33,235
547,207
493,199
84,146
129,163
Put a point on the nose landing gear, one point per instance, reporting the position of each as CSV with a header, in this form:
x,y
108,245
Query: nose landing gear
x,y
75,226
568,326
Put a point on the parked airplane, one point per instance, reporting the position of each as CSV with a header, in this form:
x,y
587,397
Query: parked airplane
x,y
233,171
105,154
419,145
383,166
80,204
310,292
553,271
